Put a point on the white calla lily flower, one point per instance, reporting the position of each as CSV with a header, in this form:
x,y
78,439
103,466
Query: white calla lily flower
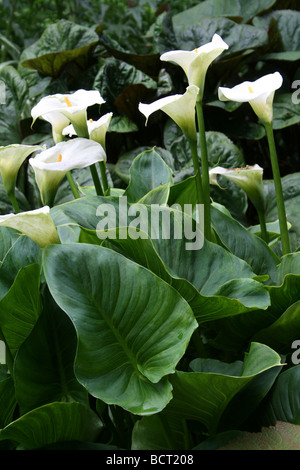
x,y
11,158
181,108
249,178
36,224
259,94
97,129
51,165
61,109
195,63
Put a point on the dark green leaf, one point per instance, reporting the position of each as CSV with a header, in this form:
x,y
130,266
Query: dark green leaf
x,y
43,368
60,43
192,390
55,422
147,173
7,397
20,307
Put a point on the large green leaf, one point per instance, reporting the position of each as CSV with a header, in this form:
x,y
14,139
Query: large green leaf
x,y
234,297
61,43
122,167
285,112
183,261
7,397
51,423
236,332
20,307
43,368
8,237
243,11
281,334
283,404
22,252
286,23
213,281
244,244
192,391
132,327
149,172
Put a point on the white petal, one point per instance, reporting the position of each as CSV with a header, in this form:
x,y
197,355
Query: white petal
x,y
180,108
148,109
181,58
77,153
195,63
248,91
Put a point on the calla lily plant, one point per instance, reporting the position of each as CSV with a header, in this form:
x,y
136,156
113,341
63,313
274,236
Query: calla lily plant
x,y
51,165
61,109
260,94
181,108
195,64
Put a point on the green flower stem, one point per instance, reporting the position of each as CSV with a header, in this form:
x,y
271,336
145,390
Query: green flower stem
x,y
14,202
193,146
103,176
73,185
205,170
263,227
278,189
96,180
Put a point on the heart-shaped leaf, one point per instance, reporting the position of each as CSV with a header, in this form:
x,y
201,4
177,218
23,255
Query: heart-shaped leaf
x,y
132,327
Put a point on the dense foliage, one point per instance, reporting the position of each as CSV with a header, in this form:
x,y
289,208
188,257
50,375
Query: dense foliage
x,y
136,342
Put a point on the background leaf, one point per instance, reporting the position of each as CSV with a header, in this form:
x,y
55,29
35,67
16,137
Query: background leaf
x,y
61,43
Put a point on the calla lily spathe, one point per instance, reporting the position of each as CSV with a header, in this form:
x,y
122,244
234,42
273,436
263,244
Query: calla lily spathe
x,y
11,159
51,165
249,178
36,224
61,109
181,108
97,129
196,62
259,94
